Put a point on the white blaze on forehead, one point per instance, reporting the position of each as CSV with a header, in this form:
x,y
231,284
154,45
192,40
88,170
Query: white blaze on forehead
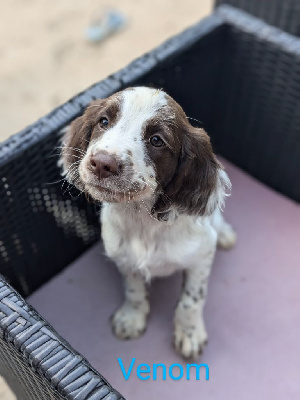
x,y
141,104
137,106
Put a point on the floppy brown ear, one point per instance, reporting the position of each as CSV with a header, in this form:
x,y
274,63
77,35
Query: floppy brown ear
x,y
199,183
77,136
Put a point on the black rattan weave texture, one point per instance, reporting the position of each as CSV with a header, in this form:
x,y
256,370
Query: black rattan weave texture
x,y
257,118
284,14
44,224
37,362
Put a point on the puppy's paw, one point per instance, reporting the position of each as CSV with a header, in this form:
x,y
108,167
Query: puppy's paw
x,y
128,322
190,342
226,237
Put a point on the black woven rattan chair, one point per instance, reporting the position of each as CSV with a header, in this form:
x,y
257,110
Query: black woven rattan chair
x,y
284,14
237,75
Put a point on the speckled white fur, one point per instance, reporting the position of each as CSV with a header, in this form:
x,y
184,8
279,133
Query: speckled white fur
x,y
143,248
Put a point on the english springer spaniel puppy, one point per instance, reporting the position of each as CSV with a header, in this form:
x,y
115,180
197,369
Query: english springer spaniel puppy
x,y
162,190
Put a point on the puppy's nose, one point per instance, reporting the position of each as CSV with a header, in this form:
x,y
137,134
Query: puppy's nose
x,y
104,165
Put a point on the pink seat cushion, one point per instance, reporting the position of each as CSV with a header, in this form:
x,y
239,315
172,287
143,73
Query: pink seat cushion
x,y
252,312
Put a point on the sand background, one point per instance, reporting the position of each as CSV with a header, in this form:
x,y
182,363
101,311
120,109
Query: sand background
x,y
45,58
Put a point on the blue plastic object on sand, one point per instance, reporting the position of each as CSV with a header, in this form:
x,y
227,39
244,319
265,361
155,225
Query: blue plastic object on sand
x,y
111,22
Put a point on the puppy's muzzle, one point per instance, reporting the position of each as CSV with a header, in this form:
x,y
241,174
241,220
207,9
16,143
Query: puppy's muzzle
x,y
104,165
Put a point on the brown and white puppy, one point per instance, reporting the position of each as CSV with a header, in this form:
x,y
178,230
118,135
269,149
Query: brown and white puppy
x,y
162,189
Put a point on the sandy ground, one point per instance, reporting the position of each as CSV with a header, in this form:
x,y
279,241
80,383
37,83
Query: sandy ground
x,y
45,58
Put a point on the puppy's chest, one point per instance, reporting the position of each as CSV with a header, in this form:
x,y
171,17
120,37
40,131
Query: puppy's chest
x,y
147,245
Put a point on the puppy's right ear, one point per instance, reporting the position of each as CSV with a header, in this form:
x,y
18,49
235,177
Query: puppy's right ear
x,y
76,138
199,184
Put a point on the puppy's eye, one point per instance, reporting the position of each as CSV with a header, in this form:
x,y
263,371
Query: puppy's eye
x,y
103,122
156,141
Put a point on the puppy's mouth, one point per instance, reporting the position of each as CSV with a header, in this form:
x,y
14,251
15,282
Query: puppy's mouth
x,y
114,195
114,189
111,189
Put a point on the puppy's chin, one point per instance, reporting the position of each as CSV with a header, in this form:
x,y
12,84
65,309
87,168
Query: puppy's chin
x,y
101,194
110,195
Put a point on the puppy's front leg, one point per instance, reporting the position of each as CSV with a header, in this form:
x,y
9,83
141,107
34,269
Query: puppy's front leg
x,y
130,320
190,335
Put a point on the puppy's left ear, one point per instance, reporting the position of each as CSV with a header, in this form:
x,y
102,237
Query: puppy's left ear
x,y
199,183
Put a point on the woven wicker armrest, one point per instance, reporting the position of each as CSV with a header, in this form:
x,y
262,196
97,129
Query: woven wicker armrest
x,y
37,362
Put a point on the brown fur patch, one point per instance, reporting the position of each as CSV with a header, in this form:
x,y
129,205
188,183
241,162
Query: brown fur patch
x,y
86,128
186,167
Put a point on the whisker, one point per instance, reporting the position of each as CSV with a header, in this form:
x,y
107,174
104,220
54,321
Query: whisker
x,y
56,182
88,141
71,148
194,119
73,165
71,155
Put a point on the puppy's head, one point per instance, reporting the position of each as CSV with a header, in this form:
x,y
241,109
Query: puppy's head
x,y
138,145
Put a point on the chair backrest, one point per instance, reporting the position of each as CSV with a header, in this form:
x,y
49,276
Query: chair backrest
x,y
284,14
